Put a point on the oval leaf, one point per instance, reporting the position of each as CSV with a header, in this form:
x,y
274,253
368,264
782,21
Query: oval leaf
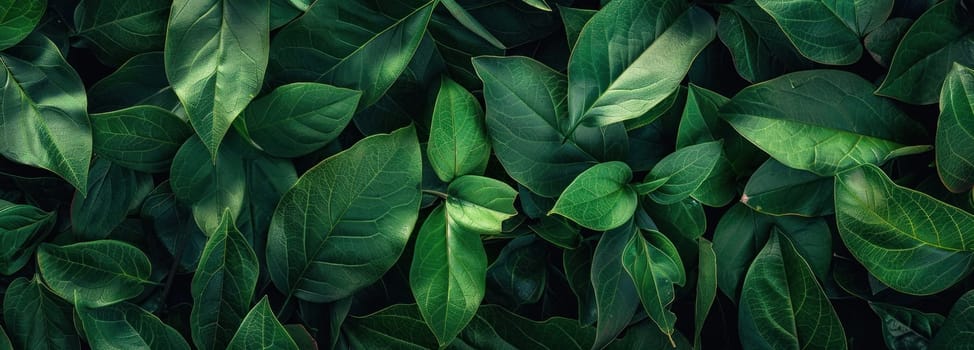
x,y
838,25
140,81
957,330
371,190
96,273
955,138
480,204
600,198
120,29
126,326
142,138
682,172
776,189
458,143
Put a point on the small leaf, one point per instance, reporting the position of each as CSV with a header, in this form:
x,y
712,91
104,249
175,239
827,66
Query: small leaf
x,y
22,228
371,190
655,267
957,330
94,274
447,274
684,170
471,23
905,328
397,326
776,189
216,55
955,140
600,198
36,318
142,138
458,143
297,119
222,286
519,275
908,240
174,226
783,306
126,326
616,298
261,330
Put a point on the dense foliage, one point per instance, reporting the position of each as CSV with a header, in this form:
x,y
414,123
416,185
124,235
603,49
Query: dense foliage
x,y
486,174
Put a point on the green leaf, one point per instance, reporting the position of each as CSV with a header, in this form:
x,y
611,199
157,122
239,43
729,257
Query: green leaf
x,y
495,327
22,228
5,340
957,329
216,54
364,52
910,241
574,20
706,287
19,19
684,172
116,30
760,49
685,218
397,326
141,138
527,125
600,198
616,298
519,275
140,81
616,74
854,127
94,274
113,192
371,190
558,231
37,319
447,274
458,143
776,189
471,23
942,36
881,43
174,226
223,286
297,119
655,267
955,141
783,306
828,31
261,330
577,265
126,326
43,122
479,204
538,4
905,328
698,124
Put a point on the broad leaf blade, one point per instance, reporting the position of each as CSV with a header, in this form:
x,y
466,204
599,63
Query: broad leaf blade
x,y
261,330
955,140
94,274
142,138
615,293
370,190
216,55
616,74
126,326
776,189
36,319
957,330
19,19
905,328
113,192
908,240
22,228
120,29
655,267
684,171
600,198
458,143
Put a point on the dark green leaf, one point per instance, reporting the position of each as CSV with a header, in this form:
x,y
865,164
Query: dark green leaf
x,y
142,138
882,42
616,74
94,274
908,240
558,231
216,54
955,140
22,228
371,190
574,20
113,192
905,328
684,171
942,36
222,286
615,293
697,125
19,19
518,276
760,49
706,287
118,29
600,198
140,81
174,226
655,267
126,326
776,189
959,326
297,119
398,327
36,319
261,330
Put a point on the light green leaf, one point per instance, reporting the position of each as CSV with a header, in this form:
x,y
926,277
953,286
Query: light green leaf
x,y
957,330
297,119
126,326
43,118
316,238
854,127
783,306
222,286
447,274
905,328
955,137
600,198
760,49
261,330
366,51
37,319
113,192
19,19
940,37
116,30
216,54
910,241
616,298
655,267
828,31
142,138
684,171
776,189
527,124
706,287
22,228
94,274
616,74
458,143
480,204
140,81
